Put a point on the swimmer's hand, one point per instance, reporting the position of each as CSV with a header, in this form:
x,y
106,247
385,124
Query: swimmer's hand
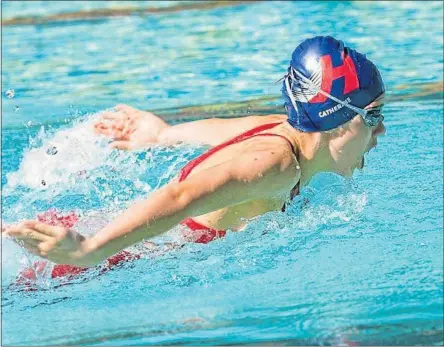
x,y
129,128
58,244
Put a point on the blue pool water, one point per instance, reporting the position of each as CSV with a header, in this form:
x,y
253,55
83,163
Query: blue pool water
x,y
362,263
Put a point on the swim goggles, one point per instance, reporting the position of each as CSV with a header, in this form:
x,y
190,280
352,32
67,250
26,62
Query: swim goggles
x,y
305,86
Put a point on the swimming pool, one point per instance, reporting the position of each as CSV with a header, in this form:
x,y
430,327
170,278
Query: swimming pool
x,y
362,263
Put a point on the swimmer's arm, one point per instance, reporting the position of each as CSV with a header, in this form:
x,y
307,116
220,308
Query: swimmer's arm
x,y
252,176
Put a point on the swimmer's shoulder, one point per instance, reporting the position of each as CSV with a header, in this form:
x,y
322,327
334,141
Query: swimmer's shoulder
x,y
277,151
286,155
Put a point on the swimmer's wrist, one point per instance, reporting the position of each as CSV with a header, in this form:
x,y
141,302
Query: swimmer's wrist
x,y
93,251
88,255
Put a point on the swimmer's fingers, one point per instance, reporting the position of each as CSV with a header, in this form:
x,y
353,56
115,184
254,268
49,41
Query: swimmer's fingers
x,y
4,228
14,229
29,240
104,130
113,116
125,108
26,231
60,251
128,129
33,229
114,133
33,249
46,229
121,112
46,247
111,121
111,124
118,118
125,127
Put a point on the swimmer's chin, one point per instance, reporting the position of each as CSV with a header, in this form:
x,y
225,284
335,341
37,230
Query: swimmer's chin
x,y
359,166
348,172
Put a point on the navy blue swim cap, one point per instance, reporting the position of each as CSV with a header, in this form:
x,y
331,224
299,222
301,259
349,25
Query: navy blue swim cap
x,y
335,69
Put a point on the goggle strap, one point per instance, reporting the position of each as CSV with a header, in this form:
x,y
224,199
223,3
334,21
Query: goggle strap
x,y
359,111
290,94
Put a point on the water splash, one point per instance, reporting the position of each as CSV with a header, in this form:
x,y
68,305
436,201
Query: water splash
x,y
69,168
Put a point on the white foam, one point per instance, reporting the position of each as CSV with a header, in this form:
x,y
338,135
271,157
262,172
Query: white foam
x,y
77,151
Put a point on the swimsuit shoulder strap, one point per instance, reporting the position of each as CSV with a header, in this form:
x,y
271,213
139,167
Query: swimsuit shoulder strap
x,y
186,170
285,138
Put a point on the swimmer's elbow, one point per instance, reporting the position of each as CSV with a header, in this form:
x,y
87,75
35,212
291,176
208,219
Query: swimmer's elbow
x,y
180,197
203,193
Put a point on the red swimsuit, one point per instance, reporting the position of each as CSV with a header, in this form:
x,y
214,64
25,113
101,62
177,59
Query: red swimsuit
x,y
203,234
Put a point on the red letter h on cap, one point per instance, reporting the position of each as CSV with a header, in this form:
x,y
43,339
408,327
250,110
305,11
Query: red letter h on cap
x,y
330,73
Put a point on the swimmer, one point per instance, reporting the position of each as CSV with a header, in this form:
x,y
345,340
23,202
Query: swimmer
x,y
333,98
